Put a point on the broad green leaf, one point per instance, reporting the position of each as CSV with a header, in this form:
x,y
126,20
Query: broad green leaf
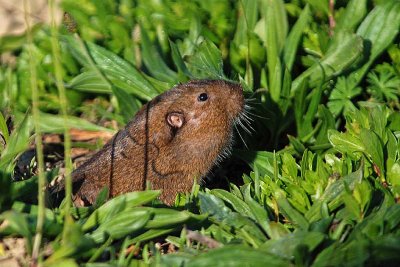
x,y
373,148
101,197
235,191
118,204
120,225
154,62
393,175
92,81
89,81
212,205
243,256
297,145
285,246
262,160
237,204
219,213
333,192
353,14
50,123
345,142
127,105
378,29
378,120
344,50
363,194
370,226
353,253
153,233
259,213
366,241
328,122
278,230
166,218
340,98
299,199
392,149
352,209
178,61
160,86
175,259
320,6
117,71
394,121
289,167
249,18
293,215
206,62
392,217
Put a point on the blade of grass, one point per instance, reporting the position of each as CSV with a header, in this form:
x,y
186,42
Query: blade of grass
x,y
38,139
293,39
275,35
63,104
154,62
246,26
17,143
3,129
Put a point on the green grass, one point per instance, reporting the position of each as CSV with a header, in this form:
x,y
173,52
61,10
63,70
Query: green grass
x,y
324,185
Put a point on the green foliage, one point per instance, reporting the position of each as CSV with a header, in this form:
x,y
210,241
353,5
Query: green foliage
x,y
384,84
324,185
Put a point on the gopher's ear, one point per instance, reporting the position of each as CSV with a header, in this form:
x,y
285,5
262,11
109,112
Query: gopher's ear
x,y
175,119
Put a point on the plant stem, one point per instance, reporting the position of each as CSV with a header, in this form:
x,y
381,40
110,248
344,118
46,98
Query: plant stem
x,y
38,139
332,22
63,104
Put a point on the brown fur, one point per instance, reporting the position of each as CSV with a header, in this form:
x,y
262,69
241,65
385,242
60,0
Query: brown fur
x,y
168,156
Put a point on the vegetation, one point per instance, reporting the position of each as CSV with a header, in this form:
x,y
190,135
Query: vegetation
x,y
324,153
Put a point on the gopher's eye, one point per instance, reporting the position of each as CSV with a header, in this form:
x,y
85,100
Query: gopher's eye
x,y
202,97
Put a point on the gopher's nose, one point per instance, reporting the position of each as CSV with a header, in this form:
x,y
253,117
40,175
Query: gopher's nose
x,y
237,91
235,99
